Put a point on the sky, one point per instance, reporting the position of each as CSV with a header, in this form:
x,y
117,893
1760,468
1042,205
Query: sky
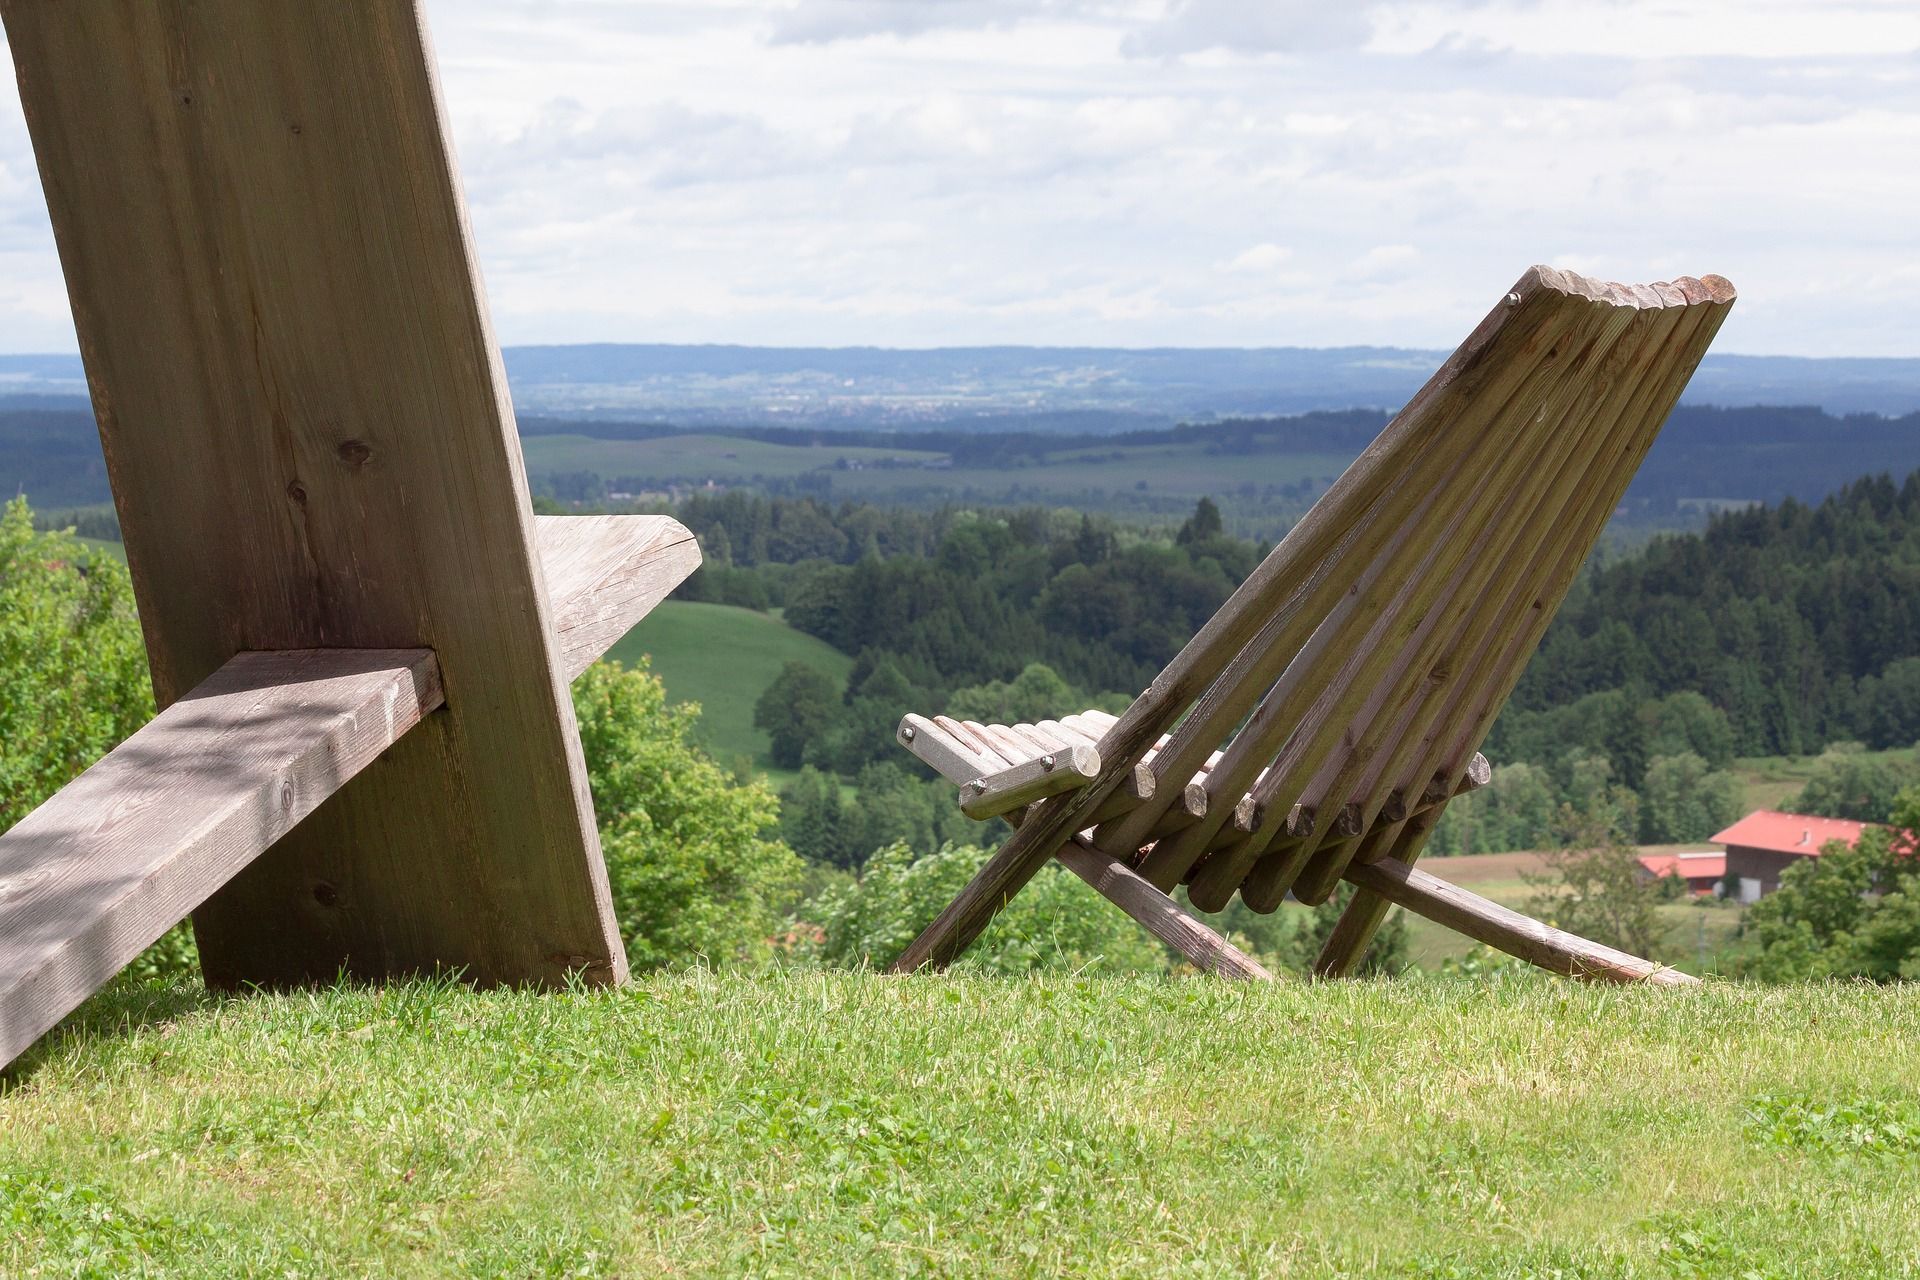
x,y
1151,172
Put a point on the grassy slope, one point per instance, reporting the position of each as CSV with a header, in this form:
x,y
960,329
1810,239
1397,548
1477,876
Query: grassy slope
x,y
856,1125
724,658
1772,780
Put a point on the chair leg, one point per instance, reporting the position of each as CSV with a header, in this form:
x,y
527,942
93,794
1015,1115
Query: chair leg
x,y
1158,914
1043,829
1353,933
1497,926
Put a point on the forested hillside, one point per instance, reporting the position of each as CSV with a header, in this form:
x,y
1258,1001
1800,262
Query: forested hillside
x,y
1801,622
1778,630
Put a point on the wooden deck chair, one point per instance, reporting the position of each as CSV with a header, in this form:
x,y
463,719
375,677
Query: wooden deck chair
x,y
361,639
1319,724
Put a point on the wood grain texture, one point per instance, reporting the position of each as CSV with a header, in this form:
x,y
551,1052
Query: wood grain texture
x,y
1345,651
1030,781
311,446
97,873
954,758
1499,663
1505,929
604,574
1158,914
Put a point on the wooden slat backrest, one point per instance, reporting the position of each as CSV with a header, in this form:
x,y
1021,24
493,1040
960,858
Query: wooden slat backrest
x,y
1383,661
1358,623
311,446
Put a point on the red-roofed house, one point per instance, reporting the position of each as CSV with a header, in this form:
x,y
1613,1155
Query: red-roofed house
x,y
1703,872
1764,843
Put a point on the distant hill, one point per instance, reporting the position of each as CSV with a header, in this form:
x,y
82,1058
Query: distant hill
x,y
723,658
1085,388
1070,389
1264,471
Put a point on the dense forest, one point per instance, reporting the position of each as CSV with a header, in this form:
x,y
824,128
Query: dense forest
x,y
1777,630
1801,623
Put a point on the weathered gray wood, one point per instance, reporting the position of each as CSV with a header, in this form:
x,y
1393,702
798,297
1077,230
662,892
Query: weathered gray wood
x,y
1408,472
604,574
1030,781
1343,630
1465,722
1505,929
311,446
1353,612
1378,638
1630,393
1266,885
122,853
953,758
1158,914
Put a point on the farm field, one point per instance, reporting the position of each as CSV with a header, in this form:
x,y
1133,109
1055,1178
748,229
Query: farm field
x,y
695,458
804,1123
1694,930
1184,470
723,658
1154,482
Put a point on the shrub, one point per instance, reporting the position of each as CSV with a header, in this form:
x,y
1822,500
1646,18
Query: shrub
x,y
1847,913
1056,922
1848,783
693,871
72,665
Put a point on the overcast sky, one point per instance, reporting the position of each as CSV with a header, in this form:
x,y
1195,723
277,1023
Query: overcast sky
x,y
1139,172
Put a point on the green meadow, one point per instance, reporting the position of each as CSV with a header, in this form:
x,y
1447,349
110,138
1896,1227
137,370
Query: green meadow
x,y
804,1123
723,658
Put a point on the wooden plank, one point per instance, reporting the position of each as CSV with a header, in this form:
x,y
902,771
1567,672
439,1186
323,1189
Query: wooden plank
x,y
1158,914
1017,786
123,852
1505,929
1342,640
1472,423
1708,300
953,758
1531,306
1374,645
604,574
311,446
1611,426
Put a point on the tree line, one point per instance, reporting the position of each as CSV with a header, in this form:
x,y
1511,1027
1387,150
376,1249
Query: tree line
x,y
1775,631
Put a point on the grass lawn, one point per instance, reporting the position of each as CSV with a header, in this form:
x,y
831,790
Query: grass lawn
x,y
845,1124
724,658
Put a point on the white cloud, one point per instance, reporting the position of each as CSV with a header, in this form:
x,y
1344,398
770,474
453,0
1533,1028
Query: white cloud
x,y
915,172
825,21
1266,26
1384,263
1263,257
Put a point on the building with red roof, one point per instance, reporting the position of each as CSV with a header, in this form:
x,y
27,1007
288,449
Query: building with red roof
x,y
1702,871
1764,843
